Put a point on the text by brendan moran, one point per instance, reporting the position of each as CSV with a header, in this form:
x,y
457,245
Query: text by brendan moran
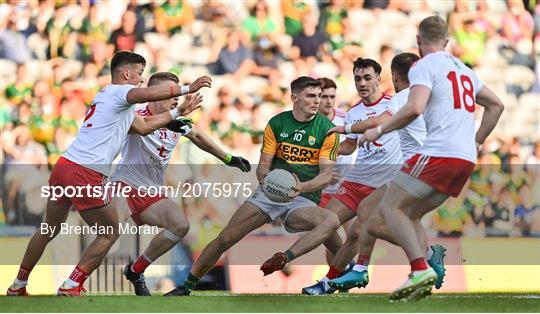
x,y
123,228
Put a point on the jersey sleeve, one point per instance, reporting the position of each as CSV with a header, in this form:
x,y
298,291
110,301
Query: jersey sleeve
x,y
330,147
349,120
120,97
478,84
420,74
269,145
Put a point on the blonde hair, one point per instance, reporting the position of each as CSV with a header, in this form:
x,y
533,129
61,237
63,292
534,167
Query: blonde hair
x,y
433,29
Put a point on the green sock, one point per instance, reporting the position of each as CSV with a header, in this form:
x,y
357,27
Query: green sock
x,y
290,255
191,281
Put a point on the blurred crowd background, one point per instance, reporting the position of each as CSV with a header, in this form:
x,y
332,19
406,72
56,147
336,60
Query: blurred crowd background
x,y
54,57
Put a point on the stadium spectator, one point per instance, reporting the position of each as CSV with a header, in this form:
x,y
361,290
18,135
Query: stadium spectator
x,y
235,57
259,23
13,44
470,43
173,16
307,47
126,37
517,23
294,12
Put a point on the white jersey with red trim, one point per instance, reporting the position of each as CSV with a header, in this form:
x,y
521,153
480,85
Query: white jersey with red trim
x,y
103,130
344,162
145,158
413,135
449,112
377,163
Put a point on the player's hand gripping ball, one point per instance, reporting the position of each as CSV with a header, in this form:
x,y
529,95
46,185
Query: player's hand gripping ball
x,y
278,185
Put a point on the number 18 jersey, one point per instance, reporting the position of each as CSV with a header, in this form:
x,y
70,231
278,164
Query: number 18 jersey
x,y
449,112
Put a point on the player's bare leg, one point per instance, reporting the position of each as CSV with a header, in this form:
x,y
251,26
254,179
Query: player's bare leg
x,y
328,223
55,214
165,214
394,210
305,221
345,254
364,242
246,219
347,225
107,218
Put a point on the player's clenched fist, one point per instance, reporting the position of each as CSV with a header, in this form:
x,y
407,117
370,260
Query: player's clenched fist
x,y
190,104
203,81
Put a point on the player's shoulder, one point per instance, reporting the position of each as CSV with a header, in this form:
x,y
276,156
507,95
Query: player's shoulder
x,y
386,98
280,119
323,120
401,95
340,113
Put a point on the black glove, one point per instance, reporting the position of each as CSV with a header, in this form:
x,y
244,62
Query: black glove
x,y
238,162
180,125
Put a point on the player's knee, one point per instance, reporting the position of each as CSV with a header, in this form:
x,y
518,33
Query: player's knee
x,y
331,221
178,231
353,234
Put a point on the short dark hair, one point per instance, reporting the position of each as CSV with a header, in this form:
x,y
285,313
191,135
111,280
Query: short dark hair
x,y
126,57
362,63
326,83
401,64
162,77
302,82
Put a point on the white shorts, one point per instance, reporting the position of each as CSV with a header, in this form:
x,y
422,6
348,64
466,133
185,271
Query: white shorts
x,y
276,210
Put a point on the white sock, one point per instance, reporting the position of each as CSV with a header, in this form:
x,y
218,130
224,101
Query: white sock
x,y
71,284
20,283
429,252
359,268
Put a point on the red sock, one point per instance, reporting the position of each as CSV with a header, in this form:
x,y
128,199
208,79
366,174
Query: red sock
x,y
78,275
23,273
363,260
140,264
419,264
333,273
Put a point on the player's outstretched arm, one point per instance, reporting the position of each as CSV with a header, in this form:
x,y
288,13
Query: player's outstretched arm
x,y
493,108
206,143
147,125
362,126
162,92
415,106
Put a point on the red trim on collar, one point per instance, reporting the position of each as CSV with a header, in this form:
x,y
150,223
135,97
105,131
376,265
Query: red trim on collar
x,y
376,102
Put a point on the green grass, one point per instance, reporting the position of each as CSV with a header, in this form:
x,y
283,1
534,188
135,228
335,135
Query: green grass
x,y
223,302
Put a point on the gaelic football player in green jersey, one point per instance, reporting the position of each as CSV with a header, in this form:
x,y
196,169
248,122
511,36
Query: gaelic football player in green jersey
x,y
295,141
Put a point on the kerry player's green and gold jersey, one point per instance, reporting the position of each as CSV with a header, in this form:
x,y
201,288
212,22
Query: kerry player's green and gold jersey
x,y
298,146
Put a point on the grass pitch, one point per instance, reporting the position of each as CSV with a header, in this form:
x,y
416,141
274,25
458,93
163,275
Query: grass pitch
x,y
225,302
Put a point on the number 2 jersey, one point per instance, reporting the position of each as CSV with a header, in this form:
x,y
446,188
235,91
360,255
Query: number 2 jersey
x,y
449,113
145,158
298,146
103,130
377,163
